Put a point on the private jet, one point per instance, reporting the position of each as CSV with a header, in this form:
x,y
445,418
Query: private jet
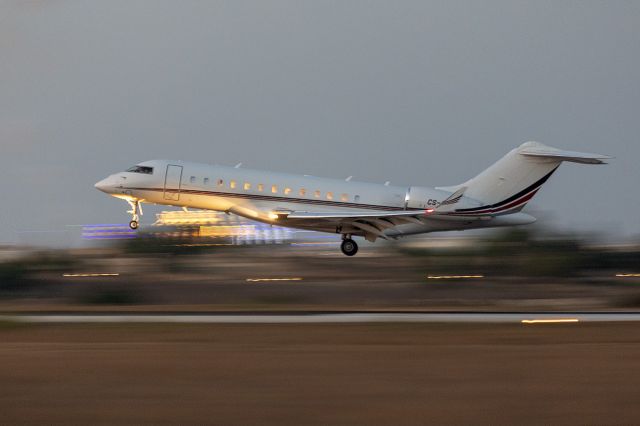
x,y
493,198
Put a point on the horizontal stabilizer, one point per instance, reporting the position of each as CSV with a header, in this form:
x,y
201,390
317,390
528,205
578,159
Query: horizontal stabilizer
x,y
535,149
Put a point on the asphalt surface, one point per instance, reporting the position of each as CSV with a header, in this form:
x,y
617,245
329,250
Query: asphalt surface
x,y
363,373
330,318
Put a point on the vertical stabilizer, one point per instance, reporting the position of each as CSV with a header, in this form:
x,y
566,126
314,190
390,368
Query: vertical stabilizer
x,y
512,181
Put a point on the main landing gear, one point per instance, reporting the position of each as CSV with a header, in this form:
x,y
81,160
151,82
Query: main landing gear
x,y
348,246
136,207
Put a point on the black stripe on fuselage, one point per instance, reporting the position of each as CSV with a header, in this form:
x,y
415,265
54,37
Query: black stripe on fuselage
x,y
276,199
514,197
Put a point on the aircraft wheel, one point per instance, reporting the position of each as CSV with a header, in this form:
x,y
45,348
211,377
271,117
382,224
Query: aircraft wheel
x,y
133,224
349,247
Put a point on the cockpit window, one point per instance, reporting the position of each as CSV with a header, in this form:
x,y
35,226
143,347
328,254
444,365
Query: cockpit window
x,y
141,169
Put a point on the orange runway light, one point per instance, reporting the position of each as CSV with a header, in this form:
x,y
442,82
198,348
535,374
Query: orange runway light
x,y
255,280
453,277
551,321
89,275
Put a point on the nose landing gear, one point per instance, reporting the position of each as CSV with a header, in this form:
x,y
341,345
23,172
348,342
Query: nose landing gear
x,y
136,206
348,246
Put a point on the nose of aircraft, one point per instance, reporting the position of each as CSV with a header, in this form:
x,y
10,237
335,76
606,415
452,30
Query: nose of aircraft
x,y
104,185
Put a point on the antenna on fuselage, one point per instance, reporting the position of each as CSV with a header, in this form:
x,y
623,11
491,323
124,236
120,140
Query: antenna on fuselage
x,y
237,166
349,178
387,183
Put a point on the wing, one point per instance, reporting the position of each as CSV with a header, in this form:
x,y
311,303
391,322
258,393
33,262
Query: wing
x,y
373,224
370,224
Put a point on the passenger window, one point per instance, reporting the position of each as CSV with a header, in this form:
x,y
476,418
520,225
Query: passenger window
x,y
329,195
247,186
287,191
193,179
316,194
344,197
356,198
232,184
206,181
274,189
302,192
260,187
220,182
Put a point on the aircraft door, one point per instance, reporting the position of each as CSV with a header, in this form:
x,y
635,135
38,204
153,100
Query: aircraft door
x,y
172,183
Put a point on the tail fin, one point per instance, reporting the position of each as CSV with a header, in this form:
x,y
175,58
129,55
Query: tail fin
x,y
512,181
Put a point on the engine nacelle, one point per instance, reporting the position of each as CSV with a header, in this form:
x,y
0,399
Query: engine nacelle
x,y
419,197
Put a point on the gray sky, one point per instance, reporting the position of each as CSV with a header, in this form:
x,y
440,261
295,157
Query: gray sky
x,y
416,92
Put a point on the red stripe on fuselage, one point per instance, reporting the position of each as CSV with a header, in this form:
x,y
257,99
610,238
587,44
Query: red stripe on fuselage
x,y
522,200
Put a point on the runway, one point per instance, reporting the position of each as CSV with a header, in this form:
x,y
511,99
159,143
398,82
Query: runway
x,y
250,373
329,318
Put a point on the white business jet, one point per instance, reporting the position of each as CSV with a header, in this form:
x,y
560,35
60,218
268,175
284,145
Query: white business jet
x,y
493,198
